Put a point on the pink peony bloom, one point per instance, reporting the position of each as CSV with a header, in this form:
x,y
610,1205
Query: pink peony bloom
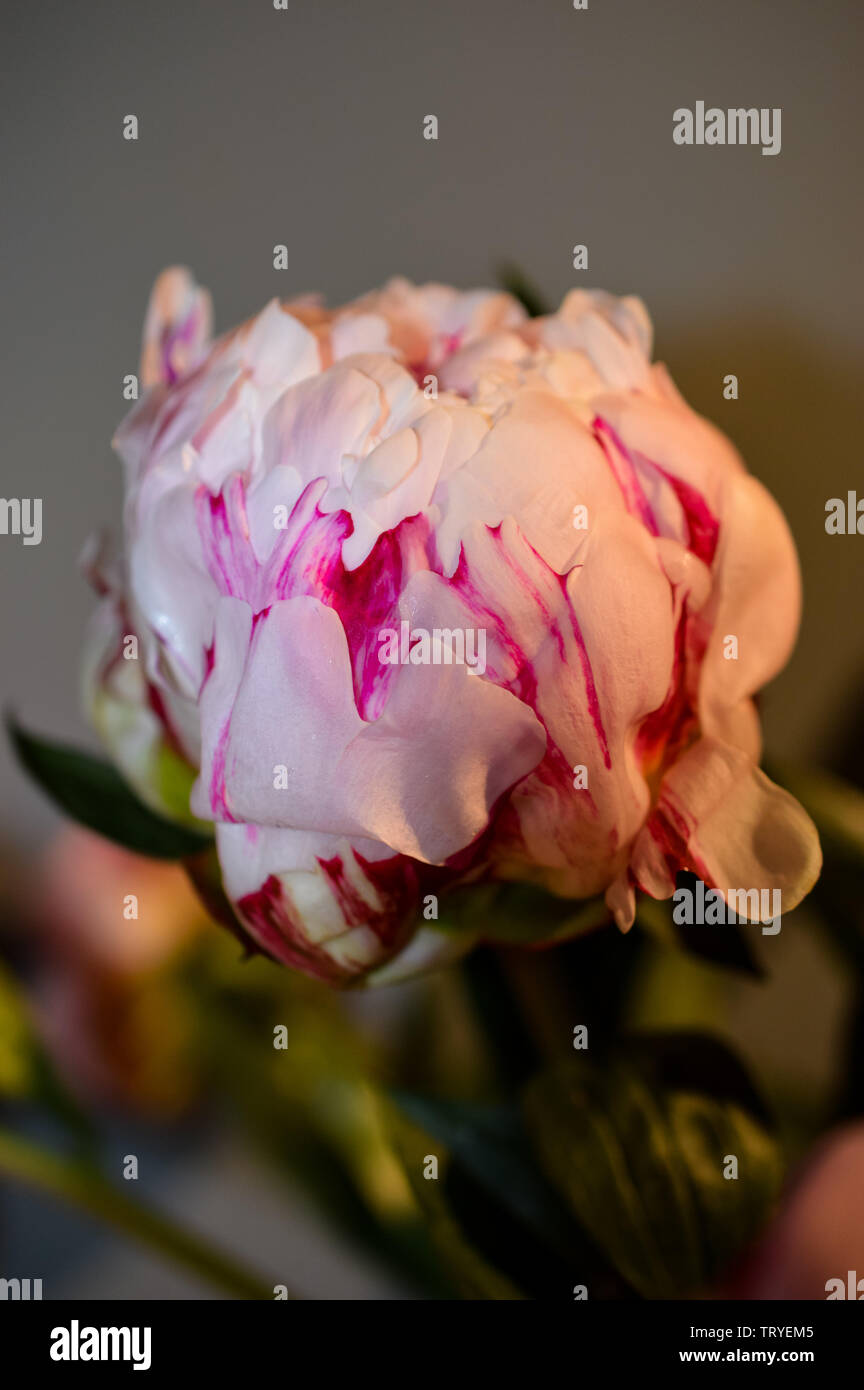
x,y
428,592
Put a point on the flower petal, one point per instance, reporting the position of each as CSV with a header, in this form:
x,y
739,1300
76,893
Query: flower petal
x,y
719,816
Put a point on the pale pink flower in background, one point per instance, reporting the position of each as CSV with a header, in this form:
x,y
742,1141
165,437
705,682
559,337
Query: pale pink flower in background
x,y
111,927
817,1236
318,477
83,885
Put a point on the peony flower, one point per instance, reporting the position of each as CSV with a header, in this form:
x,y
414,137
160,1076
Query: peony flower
x,y
427,593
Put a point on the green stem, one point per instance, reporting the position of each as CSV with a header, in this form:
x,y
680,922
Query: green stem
x,y
501,1019
84,1187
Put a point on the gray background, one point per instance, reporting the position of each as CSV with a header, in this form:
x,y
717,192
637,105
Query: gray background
x,y
305,127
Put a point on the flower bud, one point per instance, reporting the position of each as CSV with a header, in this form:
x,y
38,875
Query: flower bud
x,y
427,592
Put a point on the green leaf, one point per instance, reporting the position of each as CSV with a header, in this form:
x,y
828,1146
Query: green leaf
x,y
501,1228
476,1276
727,946
683,1060
490,1144
93,793
513,279
518,914
522,913
640,1155
500,1020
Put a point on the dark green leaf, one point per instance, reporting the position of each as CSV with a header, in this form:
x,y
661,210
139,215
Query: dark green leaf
x,y
93,793
522,913
727,945
517,283
683,1060
489,1143
496,1215
460,1253
502,1024
640,1158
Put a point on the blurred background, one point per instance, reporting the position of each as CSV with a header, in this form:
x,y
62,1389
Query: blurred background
x,y
304,127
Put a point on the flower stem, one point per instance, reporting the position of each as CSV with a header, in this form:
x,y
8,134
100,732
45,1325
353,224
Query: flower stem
x,y
83,1186
502,1021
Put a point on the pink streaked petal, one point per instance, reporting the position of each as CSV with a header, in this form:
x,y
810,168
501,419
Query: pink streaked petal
x,y
422,778
176,329
502,480
720,817
320,903
684,515
550,642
